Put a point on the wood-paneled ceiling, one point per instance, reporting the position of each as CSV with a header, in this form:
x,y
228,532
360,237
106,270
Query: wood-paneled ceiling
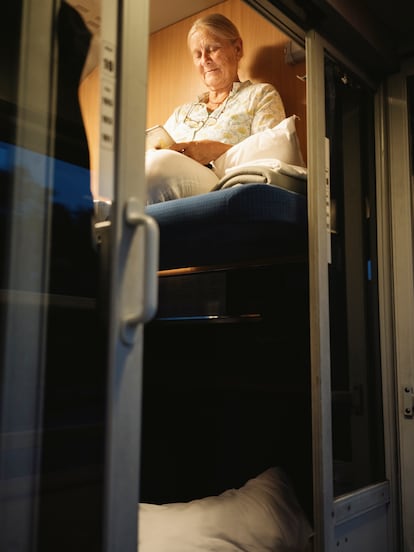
x,y
375,34
164,13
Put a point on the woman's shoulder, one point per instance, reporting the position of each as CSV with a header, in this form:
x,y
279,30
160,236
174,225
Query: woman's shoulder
x,y
263,87
181,110
256,87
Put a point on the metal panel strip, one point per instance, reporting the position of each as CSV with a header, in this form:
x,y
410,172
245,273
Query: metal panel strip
x,y
319,297
361,501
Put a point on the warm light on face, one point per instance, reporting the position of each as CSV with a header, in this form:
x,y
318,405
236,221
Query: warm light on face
x,y
216,59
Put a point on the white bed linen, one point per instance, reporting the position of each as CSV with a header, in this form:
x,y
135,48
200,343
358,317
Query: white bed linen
x,y
171,175
262,516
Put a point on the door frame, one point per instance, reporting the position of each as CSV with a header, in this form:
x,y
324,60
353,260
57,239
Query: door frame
x,y
396,229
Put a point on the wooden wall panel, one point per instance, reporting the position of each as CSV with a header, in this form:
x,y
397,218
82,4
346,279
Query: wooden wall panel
x,y
172,79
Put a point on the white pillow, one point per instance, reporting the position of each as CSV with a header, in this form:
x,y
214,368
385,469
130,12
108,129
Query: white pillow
x,y
280,142
170,175
261,516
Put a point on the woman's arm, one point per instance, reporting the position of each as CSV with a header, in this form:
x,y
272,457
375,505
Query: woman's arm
x,y
203,151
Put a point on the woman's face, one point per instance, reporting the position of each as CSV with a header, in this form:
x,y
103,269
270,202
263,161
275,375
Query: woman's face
x,y
216,59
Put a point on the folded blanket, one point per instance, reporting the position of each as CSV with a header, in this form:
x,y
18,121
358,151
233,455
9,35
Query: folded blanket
x,y
255,174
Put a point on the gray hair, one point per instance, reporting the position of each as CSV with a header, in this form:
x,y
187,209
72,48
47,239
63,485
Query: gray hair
x,y
218,25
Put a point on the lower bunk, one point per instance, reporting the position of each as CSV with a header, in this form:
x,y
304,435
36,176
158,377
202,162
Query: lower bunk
x,y
227,411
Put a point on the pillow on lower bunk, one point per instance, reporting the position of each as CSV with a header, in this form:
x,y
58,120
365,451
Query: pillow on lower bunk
x,y
261,516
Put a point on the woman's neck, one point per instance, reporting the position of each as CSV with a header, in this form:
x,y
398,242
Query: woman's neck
x,y
214,101
217,97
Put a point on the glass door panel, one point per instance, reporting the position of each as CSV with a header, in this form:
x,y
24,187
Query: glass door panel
x,y
52,368
71,333
57,455
357,427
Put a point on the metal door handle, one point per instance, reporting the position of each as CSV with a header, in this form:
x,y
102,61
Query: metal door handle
x,y
146,310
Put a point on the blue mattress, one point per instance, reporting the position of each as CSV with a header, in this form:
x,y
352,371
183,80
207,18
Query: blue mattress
x,y
234,225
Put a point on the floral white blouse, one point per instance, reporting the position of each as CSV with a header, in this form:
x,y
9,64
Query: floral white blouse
x,y
249,108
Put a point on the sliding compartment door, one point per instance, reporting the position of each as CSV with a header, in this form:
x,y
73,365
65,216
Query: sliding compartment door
x,y
133,261
70,336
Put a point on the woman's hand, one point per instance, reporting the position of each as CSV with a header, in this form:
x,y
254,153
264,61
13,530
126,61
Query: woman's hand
x,y
202,151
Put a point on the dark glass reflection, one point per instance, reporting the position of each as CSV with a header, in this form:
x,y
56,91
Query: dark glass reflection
x,y
57,454
358,450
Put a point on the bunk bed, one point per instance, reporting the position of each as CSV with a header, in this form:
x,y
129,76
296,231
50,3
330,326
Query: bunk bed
x,y
226,405
226,435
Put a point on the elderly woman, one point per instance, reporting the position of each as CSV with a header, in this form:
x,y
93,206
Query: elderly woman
x,y
225,115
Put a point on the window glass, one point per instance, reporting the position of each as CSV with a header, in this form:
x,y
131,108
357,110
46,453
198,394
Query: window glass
x,y
358,452
52,370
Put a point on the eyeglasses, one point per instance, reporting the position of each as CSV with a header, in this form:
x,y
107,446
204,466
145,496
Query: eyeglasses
x,y
198,120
